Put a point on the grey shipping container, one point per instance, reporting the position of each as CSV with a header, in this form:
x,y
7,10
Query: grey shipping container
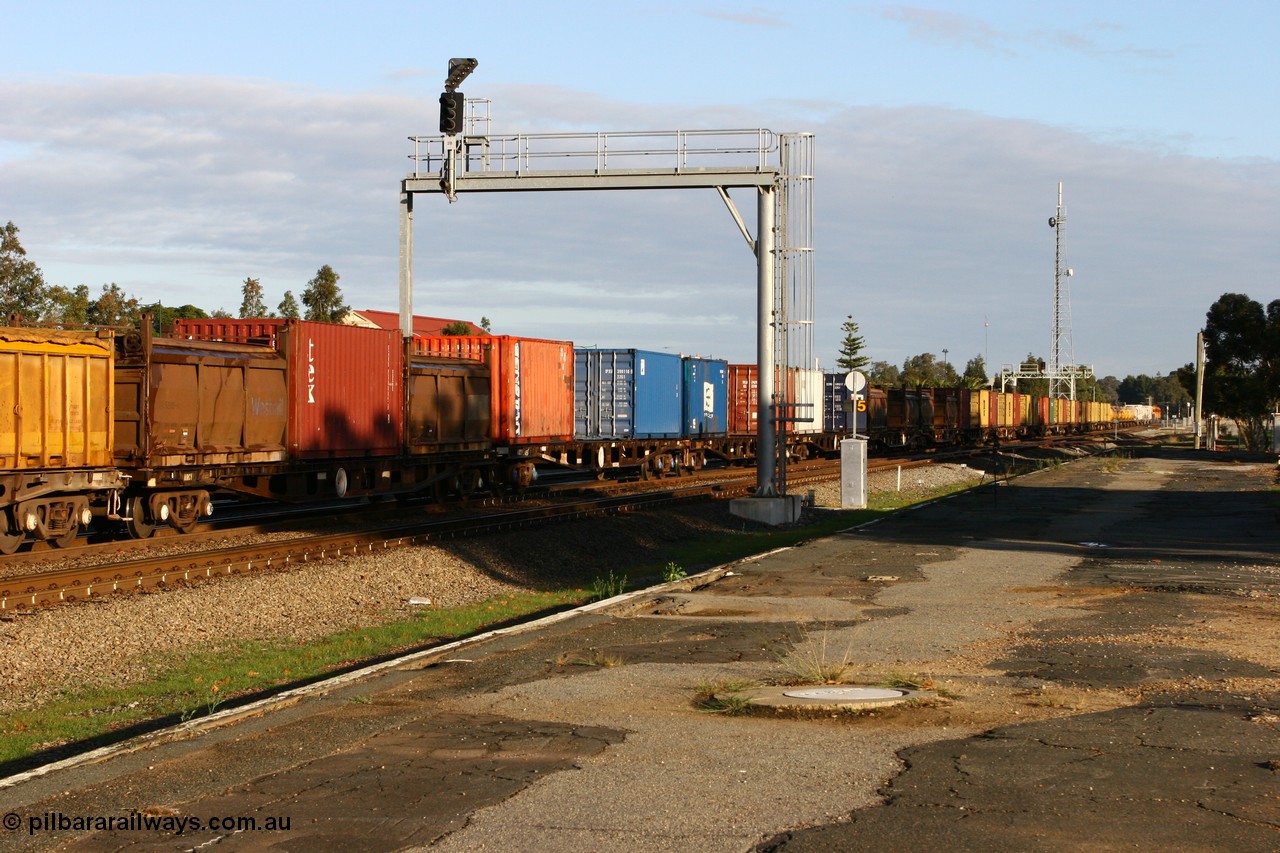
x,y
626,393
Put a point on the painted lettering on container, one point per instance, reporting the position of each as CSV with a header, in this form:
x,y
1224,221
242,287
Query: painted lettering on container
x,y
311,370
515,364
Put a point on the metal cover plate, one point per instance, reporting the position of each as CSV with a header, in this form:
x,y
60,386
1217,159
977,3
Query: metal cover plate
x,y
845,694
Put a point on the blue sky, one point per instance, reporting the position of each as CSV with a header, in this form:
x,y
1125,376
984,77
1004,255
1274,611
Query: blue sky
x,y
176,150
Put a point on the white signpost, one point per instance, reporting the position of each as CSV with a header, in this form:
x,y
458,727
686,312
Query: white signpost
x,y
853,451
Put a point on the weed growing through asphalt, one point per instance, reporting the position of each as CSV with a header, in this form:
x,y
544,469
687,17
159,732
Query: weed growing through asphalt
x,y
604,660
673,572
723,697
813,660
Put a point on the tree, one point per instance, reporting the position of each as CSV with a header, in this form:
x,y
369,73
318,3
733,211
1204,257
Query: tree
x,y
288,306
1242,370
1108,389
22,287
252,305
924,371
851,357
323,297
457,327
114,307
68,306
975,374
484,324
162,317
882,374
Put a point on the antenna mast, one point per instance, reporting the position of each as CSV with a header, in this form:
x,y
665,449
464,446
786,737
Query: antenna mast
x,y
1061,370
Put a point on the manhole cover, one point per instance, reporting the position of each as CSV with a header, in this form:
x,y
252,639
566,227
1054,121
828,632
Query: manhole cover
x,y
845,694
833,696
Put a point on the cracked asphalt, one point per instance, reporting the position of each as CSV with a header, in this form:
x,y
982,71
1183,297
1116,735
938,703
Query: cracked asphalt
x,y
1102,638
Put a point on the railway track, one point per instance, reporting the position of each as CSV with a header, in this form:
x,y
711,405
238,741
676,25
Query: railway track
x,y
125,571
66,585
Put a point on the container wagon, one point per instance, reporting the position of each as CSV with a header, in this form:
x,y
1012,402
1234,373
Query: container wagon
x,y
56,434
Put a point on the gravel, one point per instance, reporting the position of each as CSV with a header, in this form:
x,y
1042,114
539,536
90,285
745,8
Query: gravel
x,y
126,638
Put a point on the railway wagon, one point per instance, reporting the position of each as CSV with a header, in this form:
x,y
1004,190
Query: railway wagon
x,y
192,417
296,410
908,417
56,433
345,391
951,413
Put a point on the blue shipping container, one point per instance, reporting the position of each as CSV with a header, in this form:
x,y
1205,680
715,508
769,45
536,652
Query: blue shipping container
x,y
706,396
838,419
841,413
626,393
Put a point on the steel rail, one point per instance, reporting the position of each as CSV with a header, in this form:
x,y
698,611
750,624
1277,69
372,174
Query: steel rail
x,y
84,583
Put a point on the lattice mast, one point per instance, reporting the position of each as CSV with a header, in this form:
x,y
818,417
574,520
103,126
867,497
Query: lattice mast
x,y
1061,371
794,295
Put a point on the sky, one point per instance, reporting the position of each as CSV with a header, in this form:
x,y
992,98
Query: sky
x,y
176,149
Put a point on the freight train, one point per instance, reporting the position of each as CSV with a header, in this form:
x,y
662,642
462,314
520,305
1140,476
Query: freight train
x,y
137,430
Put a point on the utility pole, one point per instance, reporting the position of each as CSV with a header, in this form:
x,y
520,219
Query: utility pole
x,y
1199,385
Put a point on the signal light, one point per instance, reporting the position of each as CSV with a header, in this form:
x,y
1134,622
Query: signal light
x,y
451,107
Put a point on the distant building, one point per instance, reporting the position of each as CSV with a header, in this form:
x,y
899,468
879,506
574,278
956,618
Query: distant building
x,y
390,320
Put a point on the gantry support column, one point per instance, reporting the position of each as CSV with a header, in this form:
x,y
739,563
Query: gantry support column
x,y
406,261
766,419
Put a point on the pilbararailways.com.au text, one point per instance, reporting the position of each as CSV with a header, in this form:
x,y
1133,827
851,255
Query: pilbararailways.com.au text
x,y
141,822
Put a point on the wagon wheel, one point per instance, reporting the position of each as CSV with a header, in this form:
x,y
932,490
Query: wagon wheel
x,y
137,525
9,542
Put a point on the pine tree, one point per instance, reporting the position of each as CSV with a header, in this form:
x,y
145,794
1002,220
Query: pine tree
x,y
851,357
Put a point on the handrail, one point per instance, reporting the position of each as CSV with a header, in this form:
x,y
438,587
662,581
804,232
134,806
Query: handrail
x,y
674,150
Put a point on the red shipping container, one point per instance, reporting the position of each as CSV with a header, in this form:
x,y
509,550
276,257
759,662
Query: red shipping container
x,y
346,383
744,398
531,381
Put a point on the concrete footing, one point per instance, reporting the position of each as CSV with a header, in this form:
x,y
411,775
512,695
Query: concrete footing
x,y
775,511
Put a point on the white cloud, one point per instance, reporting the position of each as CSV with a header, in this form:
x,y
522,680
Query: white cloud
x,y
927,220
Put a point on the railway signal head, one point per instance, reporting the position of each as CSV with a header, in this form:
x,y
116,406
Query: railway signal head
x,y
459,68
451,107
